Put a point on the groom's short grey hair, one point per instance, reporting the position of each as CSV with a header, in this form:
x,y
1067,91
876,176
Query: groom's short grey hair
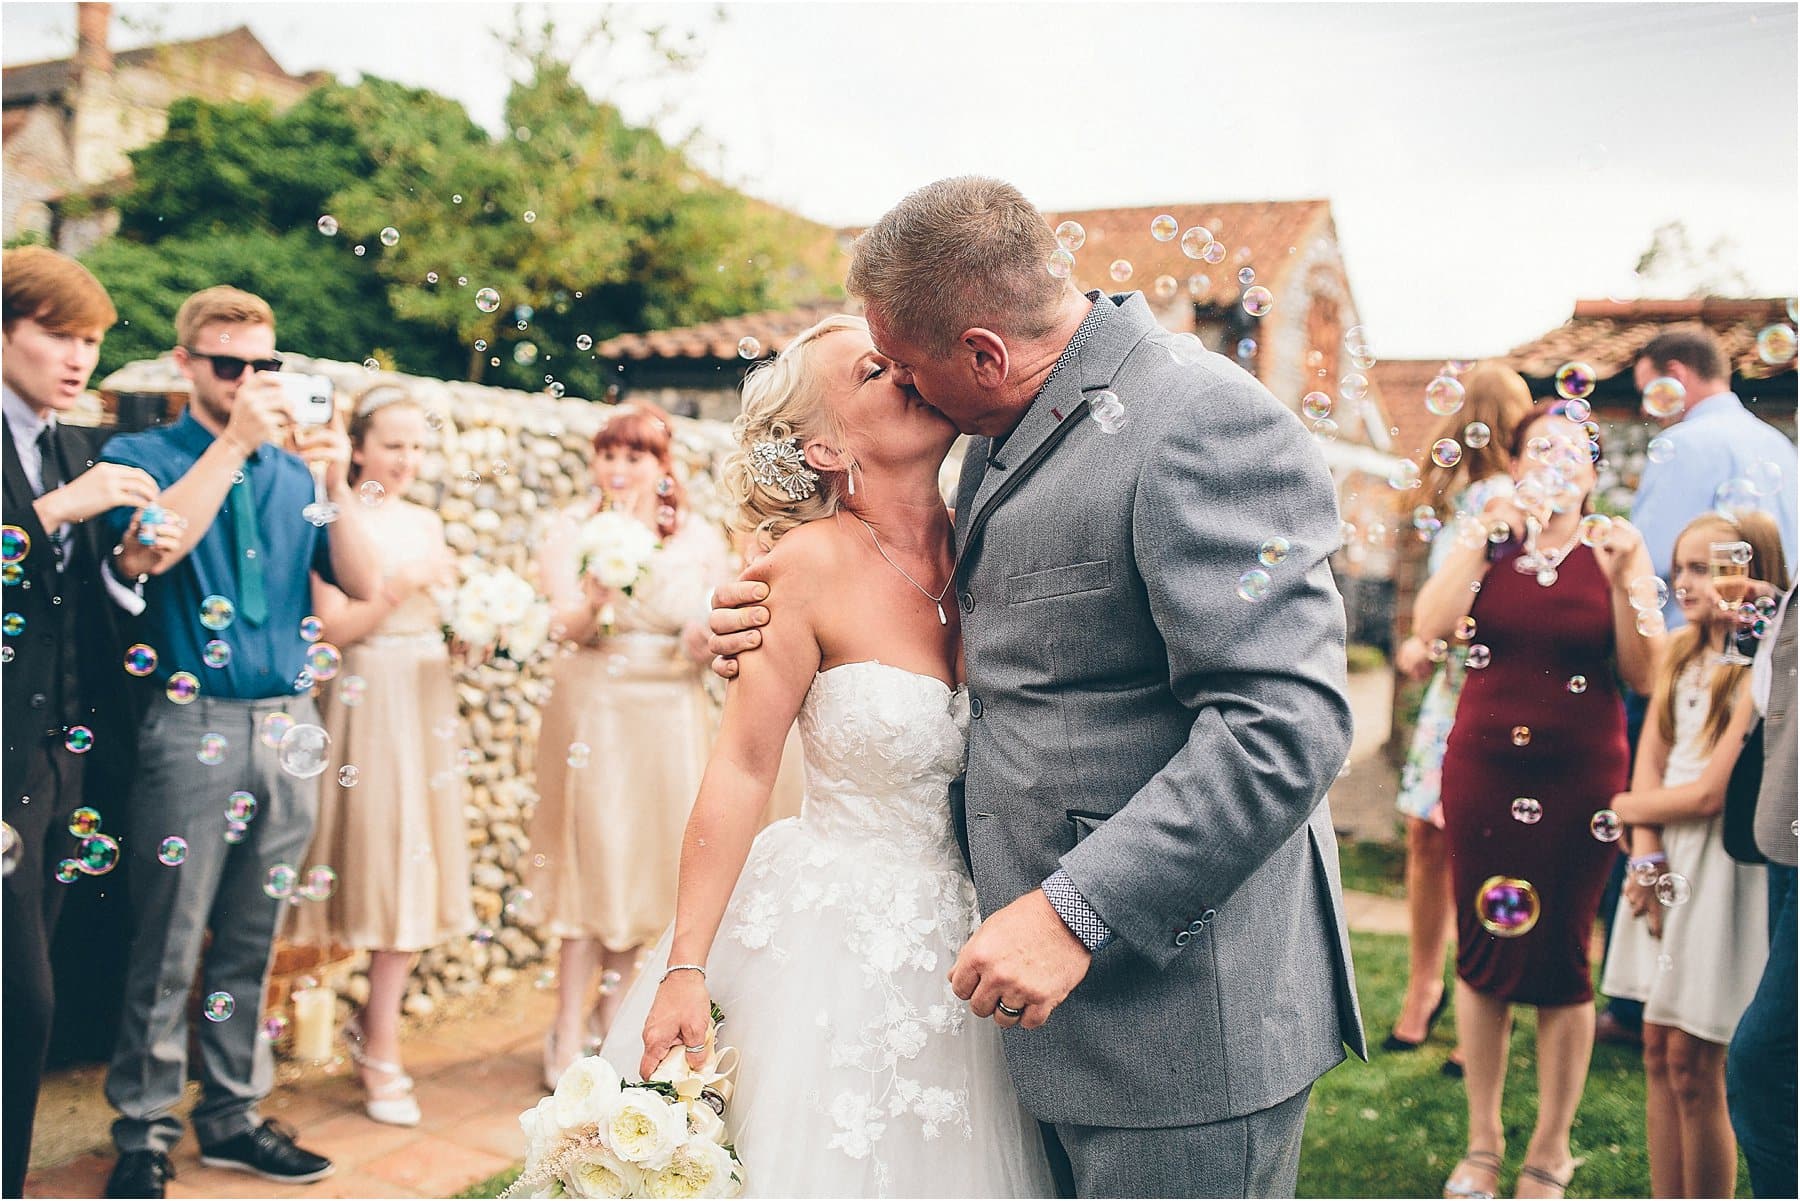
x,y
957,253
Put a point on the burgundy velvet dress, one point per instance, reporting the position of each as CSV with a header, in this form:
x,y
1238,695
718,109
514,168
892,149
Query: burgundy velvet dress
x,y
1573,760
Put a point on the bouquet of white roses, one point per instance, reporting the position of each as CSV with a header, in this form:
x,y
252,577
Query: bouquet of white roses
x,y
497,608
600,1135
615,549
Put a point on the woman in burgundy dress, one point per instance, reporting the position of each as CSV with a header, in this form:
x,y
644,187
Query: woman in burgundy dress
x,y
1537,750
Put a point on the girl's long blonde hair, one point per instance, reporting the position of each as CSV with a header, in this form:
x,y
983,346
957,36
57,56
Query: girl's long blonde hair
x,y
1690,644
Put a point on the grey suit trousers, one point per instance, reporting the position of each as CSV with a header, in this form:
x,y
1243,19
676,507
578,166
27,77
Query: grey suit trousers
x,y
219,888
1257,1155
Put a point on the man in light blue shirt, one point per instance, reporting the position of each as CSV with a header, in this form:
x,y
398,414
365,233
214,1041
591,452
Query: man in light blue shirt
x,y
1714,441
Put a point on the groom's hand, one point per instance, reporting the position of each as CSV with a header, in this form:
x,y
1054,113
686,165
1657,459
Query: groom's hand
x,y
1024,956
735,622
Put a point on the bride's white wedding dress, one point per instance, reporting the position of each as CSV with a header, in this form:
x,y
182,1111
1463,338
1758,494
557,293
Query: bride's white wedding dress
x,y
861,1074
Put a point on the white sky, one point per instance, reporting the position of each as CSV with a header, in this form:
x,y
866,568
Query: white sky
x,y
1487,164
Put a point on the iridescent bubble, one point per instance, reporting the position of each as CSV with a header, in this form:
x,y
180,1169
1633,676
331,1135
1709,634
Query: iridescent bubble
x,y
1253,585
1353,386
15,544
321,883
218,1006
1437,650
1444,395
1765,477
1197,285
1605,825
579,753
1527,810
1165,287
79,740
1577,684
487,300
1214,253
1578,411
1120,270
1163,227
1595,529
11,573
212,749
1735,497
97,854
1246,348
240,806
1479,656
1465,628
328,225
390,236
1404,477
172,851
1575,381
274,726
281,881
1775,344
304,751
274,1028
1521,735
1647,593
530,216
1316,405
1356,340
749,348
349,774
371,364
183,688
323,660
1507,906
1246,277
12,625
1195,241
1060,263
1664,398
1324,429
1476,435
216,612
84,821
1672,889
235,832
68,871
216,653
1272,551
1258,300
351,690
1070,235
431,277
1446,452
371,492
525,353
1660,450
311,628
516,901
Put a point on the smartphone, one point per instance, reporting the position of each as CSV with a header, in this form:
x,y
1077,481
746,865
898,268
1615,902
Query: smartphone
x,y
308,397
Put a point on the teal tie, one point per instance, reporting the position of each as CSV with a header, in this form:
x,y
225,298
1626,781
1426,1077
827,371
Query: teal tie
x,y
253,603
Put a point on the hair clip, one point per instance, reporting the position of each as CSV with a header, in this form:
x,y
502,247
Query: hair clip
x,y
777,463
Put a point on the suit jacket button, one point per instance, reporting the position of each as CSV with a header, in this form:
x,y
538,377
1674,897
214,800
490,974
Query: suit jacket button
x,y
1196,927
1209,915
39,700
975,706
1181,939
967,600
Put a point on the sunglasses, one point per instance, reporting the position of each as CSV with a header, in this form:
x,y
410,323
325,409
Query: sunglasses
x,y
229,367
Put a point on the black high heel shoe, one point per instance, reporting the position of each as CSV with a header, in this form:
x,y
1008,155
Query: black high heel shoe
x,y
1393,1042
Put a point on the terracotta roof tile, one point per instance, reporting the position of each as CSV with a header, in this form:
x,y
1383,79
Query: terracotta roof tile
x,y
719,339
1400,386
1607,334
29,82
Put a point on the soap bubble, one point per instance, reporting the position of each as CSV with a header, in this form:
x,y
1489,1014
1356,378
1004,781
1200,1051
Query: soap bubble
x,y
1272,551
216,612
1165,287
1673,889
323,660
1660,450
351,690
1527,810
1353,386
240,807
234,832
1246,348
15,544
311,629
1521,735
749,348
328,225
525,353
390,236
12,849
84,821
216,653
1476,435
274,1027
1446,452
321,882
280,881
1595,529
1664,397
1070,235
1651,623
68,871
1195,241
1444,395
1479,656
487,300
1060,263
1120,270
1775,344
79,740
1316,405
578,754
372,493
172,851
1163,227
274,726
212,749
304,751
1576,381
349,774
1253,585
97,854
219,1006
1577,684
1404,477
1647,593
1465,628
183,688
1507,906
1258,300
1735,497
1606,826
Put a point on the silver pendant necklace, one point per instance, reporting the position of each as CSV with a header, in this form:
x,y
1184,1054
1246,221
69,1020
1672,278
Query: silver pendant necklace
x,y
937,600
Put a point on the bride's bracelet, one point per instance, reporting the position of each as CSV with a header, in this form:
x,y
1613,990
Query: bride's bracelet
x,y
683,967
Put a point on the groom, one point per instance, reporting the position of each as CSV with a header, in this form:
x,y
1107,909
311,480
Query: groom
x,y
1155,654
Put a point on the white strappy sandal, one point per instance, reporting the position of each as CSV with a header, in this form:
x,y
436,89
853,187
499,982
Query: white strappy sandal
x,y
392,1102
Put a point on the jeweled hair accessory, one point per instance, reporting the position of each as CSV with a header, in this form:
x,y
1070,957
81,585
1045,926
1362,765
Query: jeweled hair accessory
x,y
776,463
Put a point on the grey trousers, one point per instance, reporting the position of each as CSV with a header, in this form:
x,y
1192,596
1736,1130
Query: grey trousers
x,y
219,888
1257,1155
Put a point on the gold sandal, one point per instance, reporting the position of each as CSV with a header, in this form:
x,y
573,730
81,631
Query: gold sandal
x,y
1460,1185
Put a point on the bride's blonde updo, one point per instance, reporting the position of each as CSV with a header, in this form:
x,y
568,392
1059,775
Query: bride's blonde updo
x,y
784,399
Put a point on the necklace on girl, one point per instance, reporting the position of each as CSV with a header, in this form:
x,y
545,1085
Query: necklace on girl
x,y
937,600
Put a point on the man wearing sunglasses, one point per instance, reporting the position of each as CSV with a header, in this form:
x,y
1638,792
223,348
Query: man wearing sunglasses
x,y
224,616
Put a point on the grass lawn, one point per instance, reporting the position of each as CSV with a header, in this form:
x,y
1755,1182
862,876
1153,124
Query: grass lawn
x,y
1395,1127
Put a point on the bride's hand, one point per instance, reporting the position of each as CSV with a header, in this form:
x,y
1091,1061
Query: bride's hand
x,y
680,1016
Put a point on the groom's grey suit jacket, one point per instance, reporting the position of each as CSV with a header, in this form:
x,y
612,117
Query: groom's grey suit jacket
x,y
1167,742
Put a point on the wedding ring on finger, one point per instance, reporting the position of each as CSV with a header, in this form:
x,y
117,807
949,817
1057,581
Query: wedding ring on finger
x,y
1008,1010
693,1050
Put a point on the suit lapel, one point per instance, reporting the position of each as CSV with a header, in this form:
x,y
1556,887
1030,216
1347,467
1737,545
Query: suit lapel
x,y
974,466
20,510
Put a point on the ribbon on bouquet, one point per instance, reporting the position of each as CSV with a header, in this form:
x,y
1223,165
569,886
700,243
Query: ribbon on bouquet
x,y
710,1082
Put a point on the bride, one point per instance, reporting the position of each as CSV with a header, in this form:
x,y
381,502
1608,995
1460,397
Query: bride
x,y
826,942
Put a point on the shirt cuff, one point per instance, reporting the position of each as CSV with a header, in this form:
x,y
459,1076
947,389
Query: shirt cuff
x,y
1080,917
128,599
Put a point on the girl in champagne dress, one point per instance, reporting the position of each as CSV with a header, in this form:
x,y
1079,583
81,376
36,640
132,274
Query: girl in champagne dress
x,y
390,818
626,730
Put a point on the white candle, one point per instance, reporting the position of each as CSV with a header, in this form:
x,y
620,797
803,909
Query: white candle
x,y
315,1017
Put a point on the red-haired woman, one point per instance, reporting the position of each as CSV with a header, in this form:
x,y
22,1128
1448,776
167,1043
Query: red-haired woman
x,y
626,730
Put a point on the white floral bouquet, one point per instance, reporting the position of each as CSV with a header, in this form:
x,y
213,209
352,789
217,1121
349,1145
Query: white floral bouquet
x,y
497,608
615,549
599,1135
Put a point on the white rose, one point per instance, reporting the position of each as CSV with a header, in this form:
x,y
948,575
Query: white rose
x,y
543,1133
585,1091
704,1123
614,569
698,1168
643,1128
596,1172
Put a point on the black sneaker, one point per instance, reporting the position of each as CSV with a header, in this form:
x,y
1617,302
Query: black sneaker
x,y
268,1151
140,1174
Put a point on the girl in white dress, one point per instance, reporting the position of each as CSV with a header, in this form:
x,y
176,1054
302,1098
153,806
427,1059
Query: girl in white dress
x,y
1692,928
827,943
